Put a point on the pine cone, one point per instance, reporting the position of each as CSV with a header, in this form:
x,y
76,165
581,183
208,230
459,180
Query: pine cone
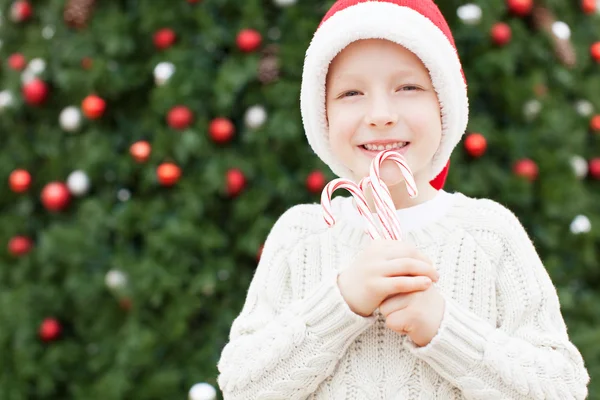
x,y
268,67
564,49
77,12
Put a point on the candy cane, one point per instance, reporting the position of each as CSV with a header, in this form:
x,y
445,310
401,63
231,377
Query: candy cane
x,y
386,210
361,202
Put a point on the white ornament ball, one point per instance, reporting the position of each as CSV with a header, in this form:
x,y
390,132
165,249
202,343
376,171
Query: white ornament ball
x,y
6,99
27,76
48,32
284,3
202,391
470,14
37,66
584,108
70,119
78,183
561,30
115,279
255,117
163,72
580,166
532,108
581,224
123,195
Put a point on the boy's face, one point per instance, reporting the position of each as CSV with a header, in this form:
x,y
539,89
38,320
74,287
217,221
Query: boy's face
x,y
379,92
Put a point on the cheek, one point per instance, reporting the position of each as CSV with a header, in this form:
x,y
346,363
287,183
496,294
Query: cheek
x,y
426,121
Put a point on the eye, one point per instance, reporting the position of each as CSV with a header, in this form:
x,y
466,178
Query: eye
x,y
409,88
350,93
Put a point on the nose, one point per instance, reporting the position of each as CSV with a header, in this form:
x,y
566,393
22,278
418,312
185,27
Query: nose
x,y
381,113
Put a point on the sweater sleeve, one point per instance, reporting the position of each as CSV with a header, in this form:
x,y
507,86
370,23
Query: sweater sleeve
x,y
528,355
281,347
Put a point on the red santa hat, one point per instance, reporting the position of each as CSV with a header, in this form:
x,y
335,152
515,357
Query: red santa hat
x,y
417,25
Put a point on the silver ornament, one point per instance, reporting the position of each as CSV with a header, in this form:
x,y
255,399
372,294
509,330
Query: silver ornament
x,y
78,183
284,3
580,166
70,119
255,117
469,14
580,224
532,109
115,279
48,32
584,108
163,72
202,391
123,195
561,30
37,66
6,100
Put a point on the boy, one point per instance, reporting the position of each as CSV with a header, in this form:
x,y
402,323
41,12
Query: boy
x,y
331,314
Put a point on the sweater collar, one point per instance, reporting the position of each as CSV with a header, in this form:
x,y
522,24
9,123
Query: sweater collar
x,y
411,218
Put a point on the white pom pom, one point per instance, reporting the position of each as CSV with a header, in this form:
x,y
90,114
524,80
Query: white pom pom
x,y
163,72
532,109
27,76
581,224
580,166
284,3
255,117
6,99
78,183
470,14
202,391
70,119
115,279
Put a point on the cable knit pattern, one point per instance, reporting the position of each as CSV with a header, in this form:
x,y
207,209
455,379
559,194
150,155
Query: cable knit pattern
x,y
502,335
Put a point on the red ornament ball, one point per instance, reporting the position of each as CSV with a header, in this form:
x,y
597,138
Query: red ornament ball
x,y
475,144
595,123
168,174
93,106
17,61
140,151
164,38
19,245
526,168
588,6
87,63
501,33
35,92
260,251
193,1
248,40
315,182
21,11
236,181
19,180
221,130
520,7
50,330
594,168
595,51
55,196
180,117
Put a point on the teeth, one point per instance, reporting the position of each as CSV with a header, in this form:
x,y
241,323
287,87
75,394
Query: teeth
x,y
373,147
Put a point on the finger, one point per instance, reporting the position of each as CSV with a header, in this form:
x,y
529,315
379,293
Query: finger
x,y
409,267
394,303
397,249
404,284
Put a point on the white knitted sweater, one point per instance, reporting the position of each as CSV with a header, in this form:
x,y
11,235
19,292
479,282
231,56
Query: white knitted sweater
x,y
502,335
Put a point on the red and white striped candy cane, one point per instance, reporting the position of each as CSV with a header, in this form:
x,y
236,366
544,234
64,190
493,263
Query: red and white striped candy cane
x,y
361,202
386,210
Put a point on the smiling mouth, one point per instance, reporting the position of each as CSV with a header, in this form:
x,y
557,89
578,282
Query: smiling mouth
x,y
379,148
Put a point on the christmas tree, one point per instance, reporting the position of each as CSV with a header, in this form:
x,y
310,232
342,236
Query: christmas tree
x,y
150,147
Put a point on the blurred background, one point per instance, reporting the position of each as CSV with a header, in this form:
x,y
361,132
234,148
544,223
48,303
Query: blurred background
x,y
149,146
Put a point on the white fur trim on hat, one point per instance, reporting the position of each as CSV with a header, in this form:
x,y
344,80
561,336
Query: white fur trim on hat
x,y
402,25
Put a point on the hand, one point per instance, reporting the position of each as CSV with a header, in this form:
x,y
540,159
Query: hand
x,y
418,314
383,269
